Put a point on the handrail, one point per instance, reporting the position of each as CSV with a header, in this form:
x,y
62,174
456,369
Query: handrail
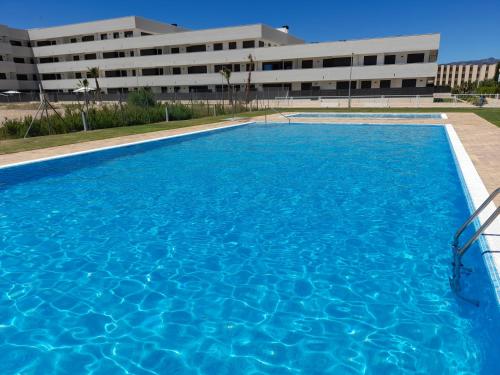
x,y
458,252
464,226
279,113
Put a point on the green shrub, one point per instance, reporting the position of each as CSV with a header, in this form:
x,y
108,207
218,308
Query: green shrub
x,y
179,112
143,97
112,115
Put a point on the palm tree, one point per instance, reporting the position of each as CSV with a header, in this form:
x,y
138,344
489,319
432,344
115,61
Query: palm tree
x,y
94,73
226,73
249,80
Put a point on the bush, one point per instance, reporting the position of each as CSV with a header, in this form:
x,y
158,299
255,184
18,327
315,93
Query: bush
x,y
113,115
143,97
179,112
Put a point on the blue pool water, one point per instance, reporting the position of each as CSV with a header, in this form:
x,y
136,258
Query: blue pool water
x,y
265,249
367,115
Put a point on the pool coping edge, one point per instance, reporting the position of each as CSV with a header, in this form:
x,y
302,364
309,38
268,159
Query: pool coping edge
x,y
476,193
127,144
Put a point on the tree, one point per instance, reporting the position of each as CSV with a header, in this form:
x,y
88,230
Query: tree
x,y
249,79
226,73
94,73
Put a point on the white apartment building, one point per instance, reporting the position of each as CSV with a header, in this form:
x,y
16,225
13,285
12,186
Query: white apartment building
x,y
134,52
455,74
17,64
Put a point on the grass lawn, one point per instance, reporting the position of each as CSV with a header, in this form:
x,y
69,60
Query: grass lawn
x,y
16,145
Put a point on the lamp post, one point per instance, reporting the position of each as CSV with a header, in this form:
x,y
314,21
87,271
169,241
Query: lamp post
x,y
350,79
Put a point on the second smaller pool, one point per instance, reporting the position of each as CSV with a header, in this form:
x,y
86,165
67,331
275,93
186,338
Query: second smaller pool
x,y
369,115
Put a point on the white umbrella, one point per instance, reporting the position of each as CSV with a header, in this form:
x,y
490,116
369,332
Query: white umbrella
x,y
10,92
84,89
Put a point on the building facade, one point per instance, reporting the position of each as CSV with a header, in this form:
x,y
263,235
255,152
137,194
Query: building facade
x,y
456,74
17,64
134,52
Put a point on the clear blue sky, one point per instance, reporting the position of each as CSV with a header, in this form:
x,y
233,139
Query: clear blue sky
x,y
469,29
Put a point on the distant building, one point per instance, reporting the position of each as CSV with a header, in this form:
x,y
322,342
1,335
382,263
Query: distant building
x,y
455,74
134,52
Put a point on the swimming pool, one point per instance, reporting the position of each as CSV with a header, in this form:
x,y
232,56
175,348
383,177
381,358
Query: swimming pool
x,y
303,248
369,115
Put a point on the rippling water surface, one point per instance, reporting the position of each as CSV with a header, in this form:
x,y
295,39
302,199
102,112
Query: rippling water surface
x,y
278,249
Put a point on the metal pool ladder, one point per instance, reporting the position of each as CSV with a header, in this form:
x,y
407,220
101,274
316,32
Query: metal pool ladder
x,y
278,112
459,251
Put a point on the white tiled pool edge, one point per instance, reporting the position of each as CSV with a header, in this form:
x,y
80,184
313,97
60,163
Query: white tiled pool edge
x,y
442,116
123,145
476,194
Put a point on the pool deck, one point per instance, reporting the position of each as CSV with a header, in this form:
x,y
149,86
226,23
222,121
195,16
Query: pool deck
x,y
480,138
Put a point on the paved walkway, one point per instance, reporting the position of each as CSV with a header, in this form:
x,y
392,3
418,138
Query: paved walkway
x,y
480,138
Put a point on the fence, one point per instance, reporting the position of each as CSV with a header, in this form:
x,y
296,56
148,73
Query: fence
x,y
276,97
265,94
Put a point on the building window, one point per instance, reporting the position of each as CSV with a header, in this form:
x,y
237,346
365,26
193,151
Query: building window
x,y
277,65
236,68
217,46
199,89
150,52
370,60
116,35
152,72
307,64
1,58
306,86
200,69
232,45
336,62
3,76
218,68
76,58
87,38
46,60
385,84
261,43
35,77
176,70
104,36
249,44
78,75
44,43
415,58
409,83
128,34
389,59
196,48
344,85
15,43
174,50
366,84
115,73
22,77
18,60
49,77
90,56
72,40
